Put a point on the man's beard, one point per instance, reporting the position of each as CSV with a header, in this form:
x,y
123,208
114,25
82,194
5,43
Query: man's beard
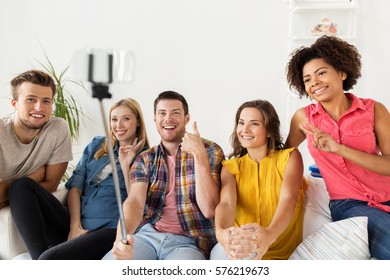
x,y
29,126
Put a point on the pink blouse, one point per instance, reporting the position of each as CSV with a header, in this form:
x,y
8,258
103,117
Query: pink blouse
x,y
355,129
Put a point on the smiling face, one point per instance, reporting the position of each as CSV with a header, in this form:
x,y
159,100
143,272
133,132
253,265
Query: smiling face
x,y
124,124
171,120
250,129
322,81
33,106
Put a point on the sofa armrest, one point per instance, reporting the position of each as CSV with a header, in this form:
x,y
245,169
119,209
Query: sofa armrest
x,y
11,244
61,194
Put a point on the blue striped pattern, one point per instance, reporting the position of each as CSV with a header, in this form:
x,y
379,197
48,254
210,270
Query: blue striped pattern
x,y
342,240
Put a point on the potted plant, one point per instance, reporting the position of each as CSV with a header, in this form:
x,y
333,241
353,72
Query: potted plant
x,y
65,105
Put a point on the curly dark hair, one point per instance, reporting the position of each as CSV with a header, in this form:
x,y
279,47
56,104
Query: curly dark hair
x,y
341,55
271,124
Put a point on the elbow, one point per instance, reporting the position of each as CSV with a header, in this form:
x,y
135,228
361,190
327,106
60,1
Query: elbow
x,y
209,213
209,210
208,206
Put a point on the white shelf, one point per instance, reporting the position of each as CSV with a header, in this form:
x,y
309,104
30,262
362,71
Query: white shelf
x,y
315,37
324,7
304,16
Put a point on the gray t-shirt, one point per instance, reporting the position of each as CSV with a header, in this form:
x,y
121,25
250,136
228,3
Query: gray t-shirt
x,y
51,146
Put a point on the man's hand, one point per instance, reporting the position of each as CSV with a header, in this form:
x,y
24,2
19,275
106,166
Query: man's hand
x,y
123,251
38,175
4,185
192,143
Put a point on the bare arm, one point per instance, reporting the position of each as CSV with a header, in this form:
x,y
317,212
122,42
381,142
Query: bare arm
x,y
133,209
376,163
38,176
207,188
76,229
4,185
296,136
53,175
226,209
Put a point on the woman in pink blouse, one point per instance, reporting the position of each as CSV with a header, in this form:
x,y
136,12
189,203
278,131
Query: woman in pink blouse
x,y
348,137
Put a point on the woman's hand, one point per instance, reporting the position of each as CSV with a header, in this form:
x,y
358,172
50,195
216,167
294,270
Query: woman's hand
x,y
238,243
321,140
262,239
127,153
76,232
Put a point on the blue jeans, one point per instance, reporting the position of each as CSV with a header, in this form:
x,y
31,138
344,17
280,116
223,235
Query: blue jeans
x,y
218,253
378,223
149,244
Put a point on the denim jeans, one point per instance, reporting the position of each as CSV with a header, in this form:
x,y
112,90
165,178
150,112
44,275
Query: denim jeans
x,y
149,244
218,253
378,223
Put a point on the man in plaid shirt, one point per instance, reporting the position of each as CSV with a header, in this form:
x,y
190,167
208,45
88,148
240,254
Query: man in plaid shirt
x,y
174,189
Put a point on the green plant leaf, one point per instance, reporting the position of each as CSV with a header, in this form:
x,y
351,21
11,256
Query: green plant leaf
x,y
65,104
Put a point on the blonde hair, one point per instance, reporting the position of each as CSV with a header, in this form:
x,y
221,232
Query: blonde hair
x,y
134,106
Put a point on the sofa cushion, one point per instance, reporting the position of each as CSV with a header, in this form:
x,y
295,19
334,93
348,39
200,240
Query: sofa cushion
x,y
316,205
342,240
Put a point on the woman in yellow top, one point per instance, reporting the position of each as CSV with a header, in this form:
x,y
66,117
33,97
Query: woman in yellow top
x,y
260,211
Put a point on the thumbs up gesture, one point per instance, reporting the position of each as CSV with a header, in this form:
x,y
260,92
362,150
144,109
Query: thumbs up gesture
x,y
191,142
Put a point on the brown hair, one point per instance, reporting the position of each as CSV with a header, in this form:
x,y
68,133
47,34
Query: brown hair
x,y
134,106
343,56
35,77
271,124
171,95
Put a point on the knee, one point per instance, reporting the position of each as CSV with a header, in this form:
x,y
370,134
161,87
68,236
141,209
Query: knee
x,y
50,254
109,256
218,253
20,184
45,256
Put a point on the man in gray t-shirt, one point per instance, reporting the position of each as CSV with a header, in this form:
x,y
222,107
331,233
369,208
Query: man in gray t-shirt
x,y
35,149
32,143
43,159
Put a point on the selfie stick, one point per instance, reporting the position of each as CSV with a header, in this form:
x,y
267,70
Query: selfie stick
x,y
100,91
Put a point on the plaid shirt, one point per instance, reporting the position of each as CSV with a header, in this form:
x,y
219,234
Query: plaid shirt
x,y
151,167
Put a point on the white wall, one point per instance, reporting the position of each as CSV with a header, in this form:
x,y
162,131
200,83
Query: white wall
x,y
218,54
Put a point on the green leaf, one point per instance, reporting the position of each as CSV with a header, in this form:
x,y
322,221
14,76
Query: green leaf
x,y
65,105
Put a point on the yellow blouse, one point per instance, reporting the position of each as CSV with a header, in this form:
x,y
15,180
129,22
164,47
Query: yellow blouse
x,y
258,191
